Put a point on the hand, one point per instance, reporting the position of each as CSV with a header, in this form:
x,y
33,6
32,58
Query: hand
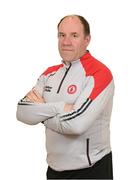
x,y
34,96
68,107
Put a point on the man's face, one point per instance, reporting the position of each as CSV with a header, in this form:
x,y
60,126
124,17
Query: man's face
x,y
72,41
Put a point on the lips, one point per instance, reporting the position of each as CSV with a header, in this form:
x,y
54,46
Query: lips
x,y
66,49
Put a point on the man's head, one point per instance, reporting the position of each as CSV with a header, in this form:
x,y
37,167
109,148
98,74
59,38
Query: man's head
x,y
74,37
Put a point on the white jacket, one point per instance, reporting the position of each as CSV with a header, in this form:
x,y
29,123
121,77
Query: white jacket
x,y
79,138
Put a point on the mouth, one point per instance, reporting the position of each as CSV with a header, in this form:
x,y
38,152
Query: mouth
x,y
66,49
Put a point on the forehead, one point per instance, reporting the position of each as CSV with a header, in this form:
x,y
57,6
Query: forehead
x,y
71,24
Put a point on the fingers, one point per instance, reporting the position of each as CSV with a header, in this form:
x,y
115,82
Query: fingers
x,y
68,107
38,97
34,96
31,96
37,94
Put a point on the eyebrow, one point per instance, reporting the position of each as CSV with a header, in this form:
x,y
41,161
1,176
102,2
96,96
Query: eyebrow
x,y
74,33
65,33
61,33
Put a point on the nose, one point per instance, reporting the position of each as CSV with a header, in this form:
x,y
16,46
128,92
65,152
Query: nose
x,y
66,41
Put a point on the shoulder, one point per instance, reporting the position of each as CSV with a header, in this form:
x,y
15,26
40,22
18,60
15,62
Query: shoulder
x,y
52,69
94,67
100,72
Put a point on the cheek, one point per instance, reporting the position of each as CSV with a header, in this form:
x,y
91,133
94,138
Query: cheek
x,y
79,46
59,46
83,45
76,44
59,43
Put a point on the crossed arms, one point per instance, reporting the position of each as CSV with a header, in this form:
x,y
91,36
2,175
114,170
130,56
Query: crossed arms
x,y
65,118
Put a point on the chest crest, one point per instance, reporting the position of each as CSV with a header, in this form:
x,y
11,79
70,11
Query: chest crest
x,y
72,89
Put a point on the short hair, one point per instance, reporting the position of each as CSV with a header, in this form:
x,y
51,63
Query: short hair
x,y
84,22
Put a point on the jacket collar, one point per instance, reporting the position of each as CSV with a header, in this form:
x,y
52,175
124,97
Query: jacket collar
x,y
85,56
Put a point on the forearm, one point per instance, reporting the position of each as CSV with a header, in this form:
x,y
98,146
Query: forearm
x,y
33,109
34,113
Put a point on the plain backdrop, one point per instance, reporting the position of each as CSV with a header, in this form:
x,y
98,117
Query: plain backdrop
x,y
28,45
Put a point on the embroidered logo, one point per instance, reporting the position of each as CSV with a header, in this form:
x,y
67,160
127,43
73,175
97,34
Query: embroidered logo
x,y
72,89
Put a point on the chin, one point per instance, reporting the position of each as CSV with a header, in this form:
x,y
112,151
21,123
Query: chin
x,y
66,58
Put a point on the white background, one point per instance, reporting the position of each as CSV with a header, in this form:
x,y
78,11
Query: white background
x,y
28,45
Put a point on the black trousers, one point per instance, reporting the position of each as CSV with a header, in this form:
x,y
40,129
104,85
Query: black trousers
x,y
101,170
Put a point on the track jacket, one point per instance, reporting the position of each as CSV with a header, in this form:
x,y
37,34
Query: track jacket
x,y
81,137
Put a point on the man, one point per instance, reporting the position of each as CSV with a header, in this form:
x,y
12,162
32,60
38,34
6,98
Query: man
x,y
74,101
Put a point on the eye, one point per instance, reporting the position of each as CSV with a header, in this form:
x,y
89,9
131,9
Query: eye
x,y
75,35
60,35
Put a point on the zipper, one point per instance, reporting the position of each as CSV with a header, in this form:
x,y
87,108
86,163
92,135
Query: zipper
x,y
63,78
89,161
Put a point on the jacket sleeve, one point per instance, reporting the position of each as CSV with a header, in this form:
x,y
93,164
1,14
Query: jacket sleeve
x,y
34,113
89,105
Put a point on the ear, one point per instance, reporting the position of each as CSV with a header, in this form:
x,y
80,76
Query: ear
x,y
88,38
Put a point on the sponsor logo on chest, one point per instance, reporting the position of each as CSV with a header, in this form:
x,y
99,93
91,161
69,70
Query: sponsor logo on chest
x,y
48,88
